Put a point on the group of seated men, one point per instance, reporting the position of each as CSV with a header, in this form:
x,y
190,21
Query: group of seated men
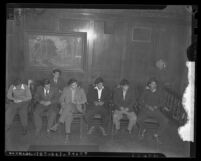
x,y
55,97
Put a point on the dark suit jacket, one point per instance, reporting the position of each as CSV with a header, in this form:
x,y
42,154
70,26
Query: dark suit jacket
x,y
152,99
60,83
53,95
130,99
92,96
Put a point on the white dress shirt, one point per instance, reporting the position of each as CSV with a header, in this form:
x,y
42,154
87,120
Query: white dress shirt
x,y
124,94
46,91
99,92
73,95
55,80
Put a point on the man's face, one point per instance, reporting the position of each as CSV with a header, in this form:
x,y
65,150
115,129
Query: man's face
x,y
47,86
100,85
153,85
125,87
74,85
56,75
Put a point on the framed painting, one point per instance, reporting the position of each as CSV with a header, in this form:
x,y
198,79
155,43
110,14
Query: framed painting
x,y
66,51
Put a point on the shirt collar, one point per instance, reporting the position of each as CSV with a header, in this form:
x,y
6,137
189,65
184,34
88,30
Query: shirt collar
x,y
98,89
22,86
46,89
73,89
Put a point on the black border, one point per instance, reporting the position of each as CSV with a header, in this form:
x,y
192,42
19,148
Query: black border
x,y
81,5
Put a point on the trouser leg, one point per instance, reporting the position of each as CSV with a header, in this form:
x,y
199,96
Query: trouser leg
x,y
37,116
132,120
51,115
142,116
162,120
68,122
89,116
67,116
10,113
23,112
116,119
105,116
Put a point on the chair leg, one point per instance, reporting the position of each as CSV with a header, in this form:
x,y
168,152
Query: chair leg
x,y
80,128
112,132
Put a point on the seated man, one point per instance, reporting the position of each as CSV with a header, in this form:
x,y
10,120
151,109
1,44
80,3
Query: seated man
x,y
20,95
47,98
124,100
98,103
151,101
72,99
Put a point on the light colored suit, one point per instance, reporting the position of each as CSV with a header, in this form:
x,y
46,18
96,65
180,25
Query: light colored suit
x,y
70,105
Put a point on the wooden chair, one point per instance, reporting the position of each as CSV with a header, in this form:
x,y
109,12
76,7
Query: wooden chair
x,y
30,106
124,121
98,119
78,118
150,125
173,107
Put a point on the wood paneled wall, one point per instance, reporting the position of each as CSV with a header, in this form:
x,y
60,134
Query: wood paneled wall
x,y
118,45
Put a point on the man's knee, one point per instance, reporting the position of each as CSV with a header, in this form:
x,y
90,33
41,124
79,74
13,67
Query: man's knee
x,y
116,117
133,119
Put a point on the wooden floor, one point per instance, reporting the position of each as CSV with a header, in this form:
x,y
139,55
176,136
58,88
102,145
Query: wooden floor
x,y
172,145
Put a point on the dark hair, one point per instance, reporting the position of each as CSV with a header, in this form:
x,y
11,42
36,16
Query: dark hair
x,y
124,82
153,79
98,80
56,70
72,80
46,81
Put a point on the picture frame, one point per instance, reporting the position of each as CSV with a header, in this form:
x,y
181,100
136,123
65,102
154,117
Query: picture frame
x,y
48,50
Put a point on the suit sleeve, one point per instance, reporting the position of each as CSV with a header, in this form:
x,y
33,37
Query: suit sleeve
x,y
116,99
55,97
61,85
107,96
90,96
37,96
142,99
132,100
10,92
28,94
83,98
62,97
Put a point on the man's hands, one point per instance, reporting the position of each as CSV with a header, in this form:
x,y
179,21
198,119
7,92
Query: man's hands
x,y
124,109
17,101
151,108
45,103
96,103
